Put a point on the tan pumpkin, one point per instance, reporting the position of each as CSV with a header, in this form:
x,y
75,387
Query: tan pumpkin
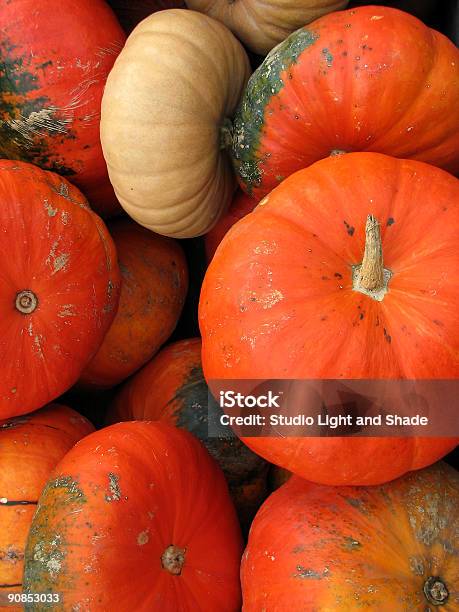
x,y
261,24
165,115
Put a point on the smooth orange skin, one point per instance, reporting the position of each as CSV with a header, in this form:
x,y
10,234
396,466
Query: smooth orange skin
x,y
168,492
322,549
376,79
154,284
241,206
30,447
56,247
277,301
59,64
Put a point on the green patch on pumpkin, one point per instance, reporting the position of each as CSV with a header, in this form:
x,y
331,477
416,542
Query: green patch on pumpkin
x,y
28,122
265,83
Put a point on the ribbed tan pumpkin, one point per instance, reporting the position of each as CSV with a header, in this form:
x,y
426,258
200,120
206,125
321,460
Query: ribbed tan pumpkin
x,y
262,24
164,121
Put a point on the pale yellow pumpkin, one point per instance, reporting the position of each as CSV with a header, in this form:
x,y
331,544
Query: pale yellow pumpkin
x,y
165,114
262,24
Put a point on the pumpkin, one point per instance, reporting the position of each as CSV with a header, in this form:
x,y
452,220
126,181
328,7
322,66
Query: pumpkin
x,y
164,123
154,285
261,26
30,447
391,547
143,496
59,289
51,80
132,12
281,299
171,388
314,96
241,205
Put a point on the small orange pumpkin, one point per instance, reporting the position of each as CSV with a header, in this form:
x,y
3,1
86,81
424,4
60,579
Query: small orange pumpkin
x,y
154,285
30,447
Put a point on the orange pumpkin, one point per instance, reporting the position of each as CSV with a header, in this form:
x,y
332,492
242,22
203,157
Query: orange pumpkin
x,y
30,447
59,286
392,547
136,516
367,79
281,300
55,60
171,388
241,205
154,286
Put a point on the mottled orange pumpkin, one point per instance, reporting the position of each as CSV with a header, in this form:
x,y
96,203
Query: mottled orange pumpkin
x,y
367,79
59,286
137,516
30,447
281,300
171,388
323,549
154,285
55,59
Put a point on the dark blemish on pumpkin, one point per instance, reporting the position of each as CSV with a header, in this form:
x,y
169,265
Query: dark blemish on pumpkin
x,y
351,544
114,488
338,275
242,308
252,299
361,315
44,65
344,53
390,221
437,322
297,116
348,25
357,504
324,318
349,229
325,278
444,208
307,573
386,336
11,555
315,236
328,57
377,321
265,83
298,549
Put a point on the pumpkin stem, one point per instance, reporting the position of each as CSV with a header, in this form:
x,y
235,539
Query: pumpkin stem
x,y
173,559
370,277
435,591
226,134
26,301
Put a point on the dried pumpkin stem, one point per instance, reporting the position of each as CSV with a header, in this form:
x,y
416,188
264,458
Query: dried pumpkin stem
x,y
436,591
173,559
371,276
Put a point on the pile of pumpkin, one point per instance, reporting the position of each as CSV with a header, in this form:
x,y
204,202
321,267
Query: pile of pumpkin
x,y
336,257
